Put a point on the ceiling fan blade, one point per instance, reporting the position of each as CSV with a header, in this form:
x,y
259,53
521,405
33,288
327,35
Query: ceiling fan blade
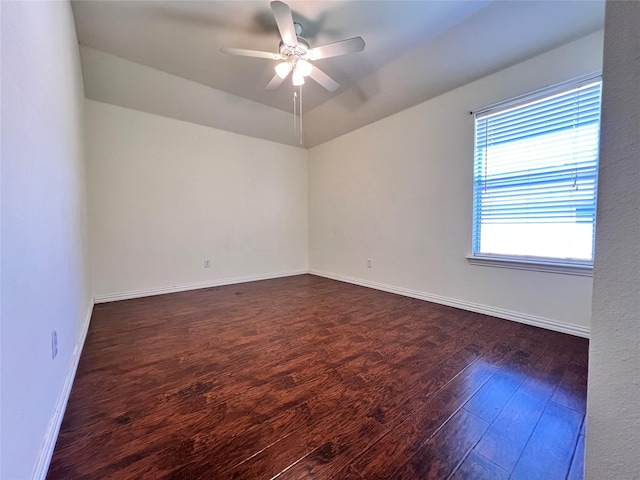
x,y
284,19
351,45
323,79
275,82
250,53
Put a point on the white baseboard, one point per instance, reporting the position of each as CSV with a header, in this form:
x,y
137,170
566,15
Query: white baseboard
x,y
46,452
112,297
525,318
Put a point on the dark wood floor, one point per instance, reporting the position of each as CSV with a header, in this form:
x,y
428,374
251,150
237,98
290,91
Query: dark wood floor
x,y
304,377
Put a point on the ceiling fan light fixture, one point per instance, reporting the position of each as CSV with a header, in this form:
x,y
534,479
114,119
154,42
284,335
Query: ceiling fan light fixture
x,y
283,69
303,67
295,55
298,78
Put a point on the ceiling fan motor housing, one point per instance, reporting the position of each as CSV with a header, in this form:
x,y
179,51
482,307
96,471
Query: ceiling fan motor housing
x,y
301,50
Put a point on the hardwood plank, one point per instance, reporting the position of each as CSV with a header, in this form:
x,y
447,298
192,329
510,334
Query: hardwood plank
x,y
408,396
548,452
506,438
392,405
544,377
572,389
300,376
576,472
477,467
442,453
493,395
398,446
335,452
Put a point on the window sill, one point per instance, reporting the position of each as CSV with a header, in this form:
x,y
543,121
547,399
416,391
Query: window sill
x,y
535,265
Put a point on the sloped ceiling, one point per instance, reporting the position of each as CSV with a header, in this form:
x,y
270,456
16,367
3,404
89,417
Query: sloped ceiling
x,y
163,57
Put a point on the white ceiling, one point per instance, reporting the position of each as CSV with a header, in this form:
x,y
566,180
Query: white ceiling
x,y
414,51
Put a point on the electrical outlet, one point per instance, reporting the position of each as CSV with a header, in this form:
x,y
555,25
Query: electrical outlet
x,y
369,265
207,263
54,344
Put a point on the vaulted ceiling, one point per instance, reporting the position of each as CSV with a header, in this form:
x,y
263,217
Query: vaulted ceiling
x,y
163,57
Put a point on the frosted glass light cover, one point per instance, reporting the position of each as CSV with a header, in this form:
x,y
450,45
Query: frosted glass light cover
x,y
298,78
303,67
283,69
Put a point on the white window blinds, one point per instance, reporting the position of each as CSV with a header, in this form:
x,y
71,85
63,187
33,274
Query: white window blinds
x,y
535,177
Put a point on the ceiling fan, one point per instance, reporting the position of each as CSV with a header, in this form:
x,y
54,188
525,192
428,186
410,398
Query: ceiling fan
x,y
296,55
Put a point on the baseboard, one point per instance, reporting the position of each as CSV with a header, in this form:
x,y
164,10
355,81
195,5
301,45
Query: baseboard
x,y
192,286
46,452
525,318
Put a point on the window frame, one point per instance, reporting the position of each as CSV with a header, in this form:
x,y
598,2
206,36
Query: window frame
x,y
523,262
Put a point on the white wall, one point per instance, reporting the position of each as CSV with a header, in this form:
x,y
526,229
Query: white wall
x,y
164,195
399,191
45,281
117,81
613,406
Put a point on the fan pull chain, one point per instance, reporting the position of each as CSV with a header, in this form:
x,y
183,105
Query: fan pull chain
x,y
295,120
300,114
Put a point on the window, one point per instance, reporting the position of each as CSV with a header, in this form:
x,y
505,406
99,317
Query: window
x,y
535,177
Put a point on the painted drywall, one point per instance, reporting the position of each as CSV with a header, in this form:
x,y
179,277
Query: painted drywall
x,y
165,195
117,81
399,192
45,274
456,57
613,406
